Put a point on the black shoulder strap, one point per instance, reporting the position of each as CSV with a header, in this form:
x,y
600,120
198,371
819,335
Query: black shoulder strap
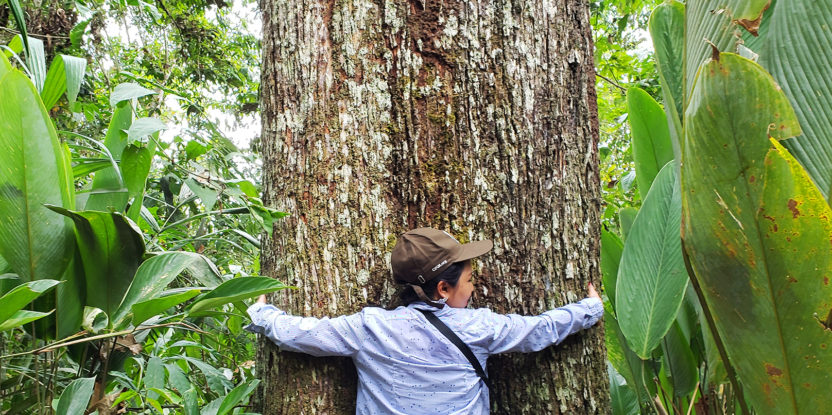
x,y
458,343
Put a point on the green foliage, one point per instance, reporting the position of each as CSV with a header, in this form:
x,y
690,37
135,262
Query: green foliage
x,y
75,397
12,313
35,242
652,148
651,276
772,237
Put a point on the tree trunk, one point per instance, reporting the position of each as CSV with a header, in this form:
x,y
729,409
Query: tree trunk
x,y
477,118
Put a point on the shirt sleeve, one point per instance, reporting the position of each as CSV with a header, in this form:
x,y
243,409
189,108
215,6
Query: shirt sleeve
x,y
340,336
515,333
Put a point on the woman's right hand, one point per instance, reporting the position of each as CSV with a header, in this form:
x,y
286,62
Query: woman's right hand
x,y
592,293
262,299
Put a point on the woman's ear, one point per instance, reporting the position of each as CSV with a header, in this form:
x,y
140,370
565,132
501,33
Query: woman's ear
x,y
442,287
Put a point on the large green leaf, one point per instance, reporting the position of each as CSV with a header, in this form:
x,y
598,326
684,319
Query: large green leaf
x,y
22,295
652,277
679,361
758,232
75,397
237,395
667,30
798,53
651,144
611,248
234,290
624,400
111,248
135,166
126,92
718,22
144,310
623,359
65,75
152,277
22,317
36,243
108,190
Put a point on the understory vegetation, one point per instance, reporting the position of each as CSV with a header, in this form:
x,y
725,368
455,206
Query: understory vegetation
x,y
131,210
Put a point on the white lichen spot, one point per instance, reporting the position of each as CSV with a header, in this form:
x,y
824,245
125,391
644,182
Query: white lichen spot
x,y
362,277
569,272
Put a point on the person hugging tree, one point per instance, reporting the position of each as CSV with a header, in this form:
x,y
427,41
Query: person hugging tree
x,y
427,356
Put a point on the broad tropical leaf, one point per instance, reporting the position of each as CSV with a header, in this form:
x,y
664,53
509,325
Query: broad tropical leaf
x,y
75,397
22,317
108,190
127,91
144,310
611,248
624,400
667,29
152,277
680,363
36,243
65,76
135,167
651,277
234,290
111,249
757,232
798,53
22,295
651,144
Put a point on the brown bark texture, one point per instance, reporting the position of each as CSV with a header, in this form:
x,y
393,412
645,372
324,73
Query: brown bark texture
x,y
475,117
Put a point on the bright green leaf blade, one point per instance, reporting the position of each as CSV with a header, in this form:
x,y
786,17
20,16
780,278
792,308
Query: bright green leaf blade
x,y
611,248
715,21
144,310
652,148
237,395
127,91
757,229
177,378
626,216
84,168
20,20
111,248
55,83
65,76
20,318
651,277
75,397
5,66
681,365
77,32
234,290
75,68
667,30
624,400
154,376
70,298
22,295
37,243
144,127
135,166
151,278
36,62
109,192
623,359
206,195
798,53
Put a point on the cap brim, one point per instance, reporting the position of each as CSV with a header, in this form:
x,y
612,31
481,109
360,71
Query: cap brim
x,y
474,249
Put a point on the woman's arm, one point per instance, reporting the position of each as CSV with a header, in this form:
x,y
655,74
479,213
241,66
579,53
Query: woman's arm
x,y
339,336
515,333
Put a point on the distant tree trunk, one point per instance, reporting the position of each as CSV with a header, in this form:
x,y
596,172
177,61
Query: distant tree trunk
x,y
474,117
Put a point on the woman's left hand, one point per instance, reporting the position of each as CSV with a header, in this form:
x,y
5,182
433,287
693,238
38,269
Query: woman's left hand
x,y
262,299
591,292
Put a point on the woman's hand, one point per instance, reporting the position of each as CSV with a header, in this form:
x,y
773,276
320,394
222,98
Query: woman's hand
x,y
592,293
262,299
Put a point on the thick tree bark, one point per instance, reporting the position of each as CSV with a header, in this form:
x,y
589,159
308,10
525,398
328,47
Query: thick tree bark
x,y
474,117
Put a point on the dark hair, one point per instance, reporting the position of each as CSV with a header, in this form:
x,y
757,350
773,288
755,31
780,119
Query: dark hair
x,y
450,275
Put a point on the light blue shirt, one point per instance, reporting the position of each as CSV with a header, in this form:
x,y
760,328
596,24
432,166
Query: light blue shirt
x,y
405,365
